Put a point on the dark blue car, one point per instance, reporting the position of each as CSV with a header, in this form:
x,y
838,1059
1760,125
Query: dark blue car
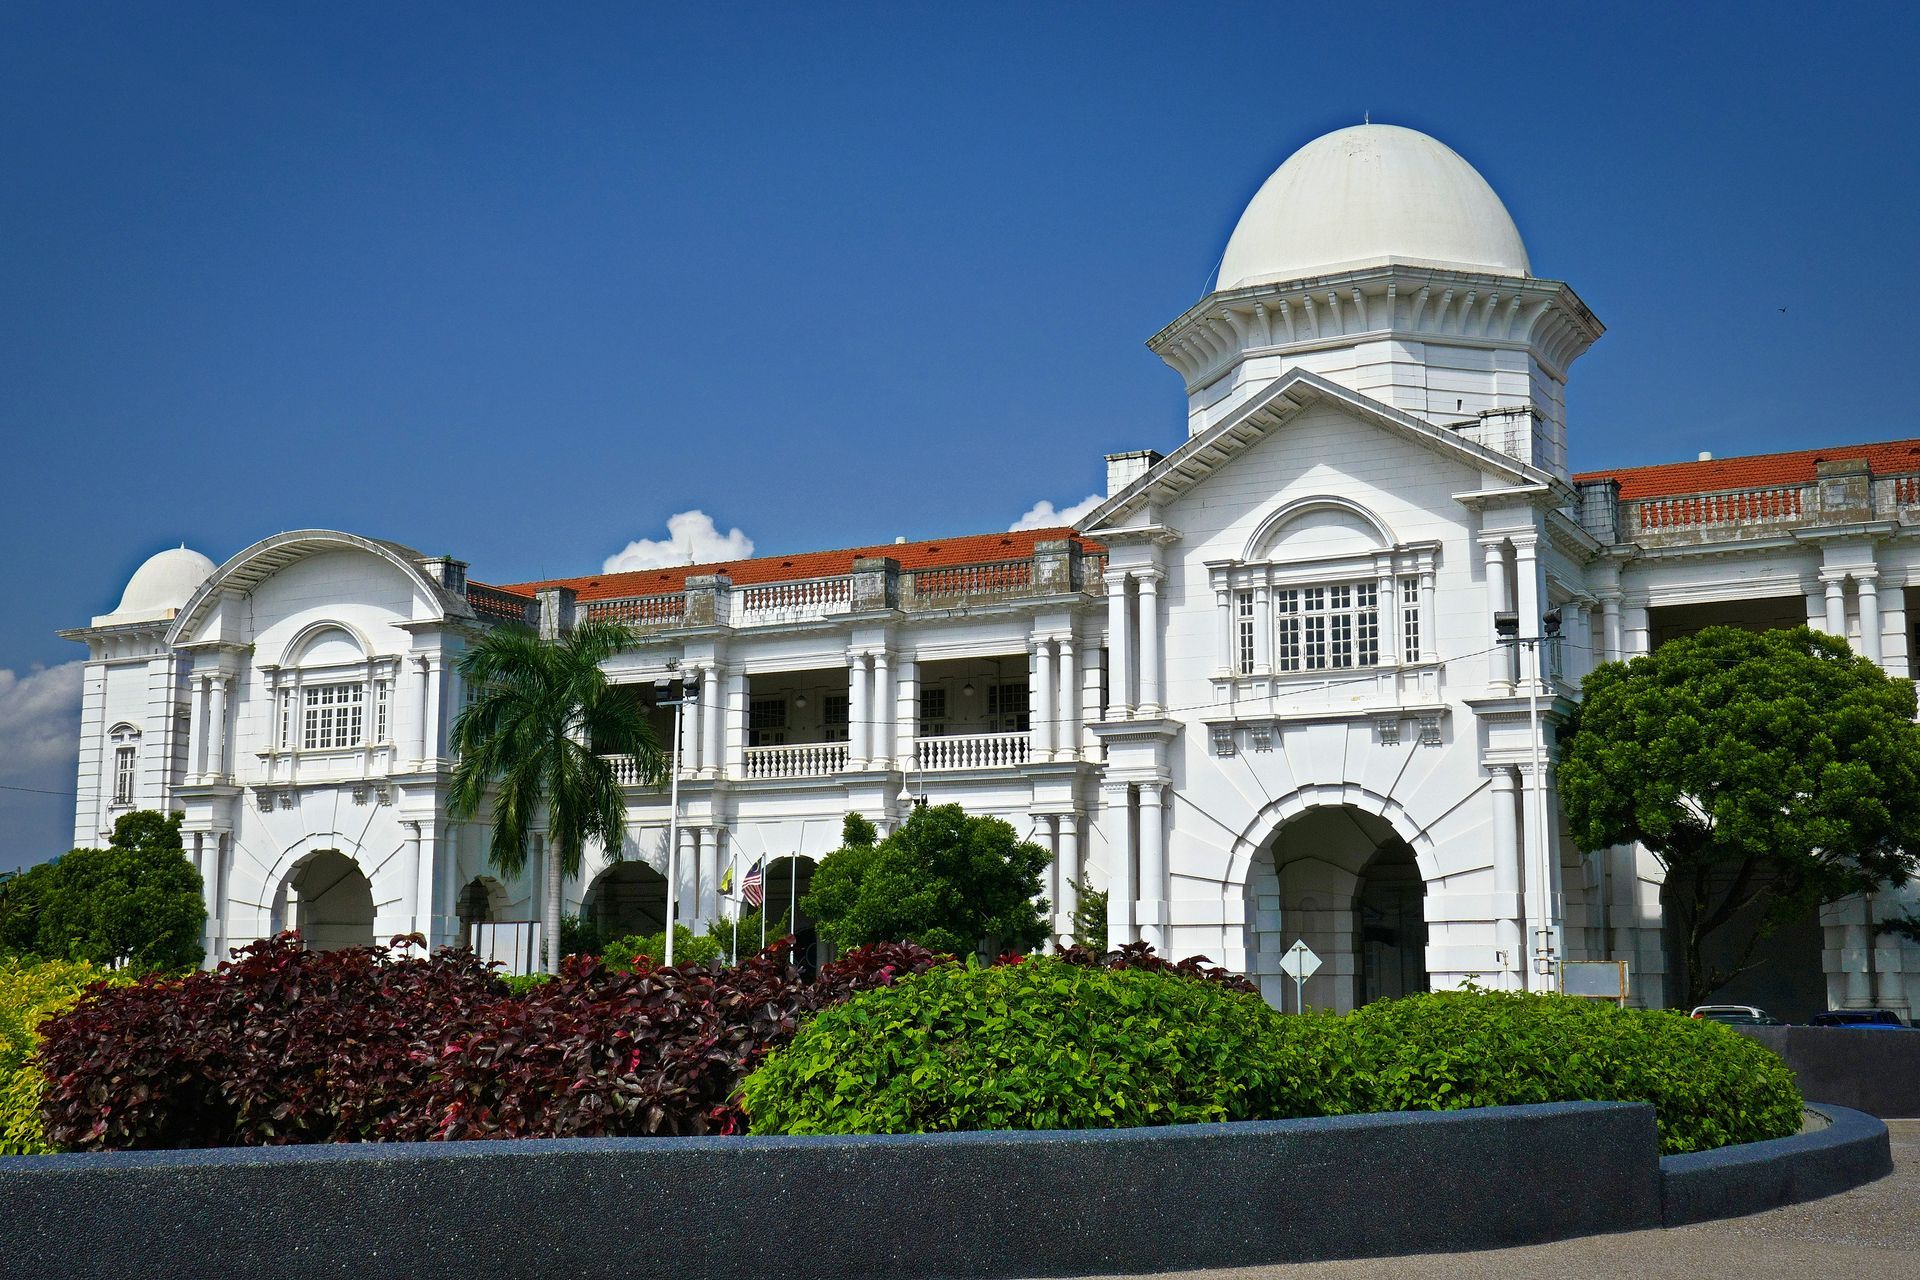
x,y
1859,1019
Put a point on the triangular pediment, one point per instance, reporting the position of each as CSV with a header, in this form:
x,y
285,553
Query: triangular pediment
x,y
1267,413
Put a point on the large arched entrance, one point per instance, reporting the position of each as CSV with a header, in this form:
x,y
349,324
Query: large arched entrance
x,y
627,898
328,899
1342,881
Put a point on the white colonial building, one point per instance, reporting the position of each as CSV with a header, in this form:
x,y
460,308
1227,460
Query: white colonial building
x,y
1257,695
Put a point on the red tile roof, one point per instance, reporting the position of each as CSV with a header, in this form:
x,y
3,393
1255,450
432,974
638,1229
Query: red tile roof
x,y
974,548
1755,472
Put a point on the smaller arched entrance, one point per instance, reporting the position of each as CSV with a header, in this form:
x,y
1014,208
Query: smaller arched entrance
x,y
328,900
787,881
1342,881
482,900
627,898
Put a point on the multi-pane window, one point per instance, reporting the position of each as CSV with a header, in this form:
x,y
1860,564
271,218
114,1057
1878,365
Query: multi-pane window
x,y
767,722
1243,632
933,712
1410,619
1007,708
332,715
285,738
382,704
834,717
125,760
1332,628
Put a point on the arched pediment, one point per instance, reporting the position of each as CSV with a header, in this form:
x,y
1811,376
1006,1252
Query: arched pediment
x,y
325,644
1324,527
257,563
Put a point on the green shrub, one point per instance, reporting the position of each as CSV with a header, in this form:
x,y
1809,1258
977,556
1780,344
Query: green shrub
x,y
1709,1085
521,983
1042,1044
30,994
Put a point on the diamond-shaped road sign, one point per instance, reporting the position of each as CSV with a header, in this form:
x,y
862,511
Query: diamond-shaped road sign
x,y
1299,963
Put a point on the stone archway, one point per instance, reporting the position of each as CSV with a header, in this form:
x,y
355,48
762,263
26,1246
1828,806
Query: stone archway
x,y
625,899
1343,881
328,900
787,881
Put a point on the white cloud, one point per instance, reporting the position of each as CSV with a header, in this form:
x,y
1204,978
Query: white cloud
x,y
691,539
1044,515
39,720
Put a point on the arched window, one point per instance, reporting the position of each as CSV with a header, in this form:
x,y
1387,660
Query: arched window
x,y
126,764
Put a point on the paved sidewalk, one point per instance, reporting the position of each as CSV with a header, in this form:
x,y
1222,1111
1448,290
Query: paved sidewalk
x,y
1872,1233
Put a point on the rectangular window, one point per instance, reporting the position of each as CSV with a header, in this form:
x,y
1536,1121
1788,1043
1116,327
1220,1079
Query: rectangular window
x,y
286,719
933,712
767,722
124,761
835,716
1007,708
1243,633
331,717
1410,619
382,701
1331,628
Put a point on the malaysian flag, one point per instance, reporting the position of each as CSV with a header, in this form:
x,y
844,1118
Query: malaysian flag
x,y
753,888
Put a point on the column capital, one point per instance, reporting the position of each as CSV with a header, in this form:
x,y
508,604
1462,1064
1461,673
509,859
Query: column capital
x,y
1491,541
1148,576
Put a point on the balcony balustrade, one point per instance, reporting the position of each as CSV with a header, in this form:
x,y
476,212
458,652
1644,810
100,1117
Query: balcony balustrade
x,y
1736,514
972,751
800,760
808,600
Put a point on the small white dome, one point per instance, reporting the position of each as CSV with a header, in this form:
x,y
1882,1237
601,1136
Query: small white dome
x,y
1368,195
161,586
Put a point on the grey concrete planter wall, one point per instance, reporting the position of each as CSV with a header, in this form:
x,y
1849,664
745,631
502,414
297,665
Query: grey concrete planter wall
x,y
974,1205
1877,1072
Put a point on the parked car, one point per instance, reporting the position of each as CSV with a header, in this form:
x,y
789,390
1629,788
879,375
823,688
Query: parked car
x,y
1859,1019
1737,1015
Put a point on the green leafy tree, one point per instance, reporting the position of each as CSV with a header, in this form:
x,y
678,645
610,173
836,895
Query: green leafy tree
x,y
945,880
1768,771
534,735
135,904
1089,916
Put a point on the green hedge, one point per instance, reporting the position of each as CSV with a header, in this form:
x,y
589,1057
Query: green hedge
x,y
30,993
1045,1045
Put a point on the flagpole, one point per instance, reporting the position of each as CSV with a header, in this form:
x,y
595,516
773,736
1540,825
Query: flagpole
x,y
793,907
733,882
764,869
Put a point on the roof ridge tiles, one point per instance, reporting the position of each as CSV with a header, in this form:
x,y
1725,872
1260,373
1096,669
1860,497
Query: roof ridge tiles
x,y
1751,471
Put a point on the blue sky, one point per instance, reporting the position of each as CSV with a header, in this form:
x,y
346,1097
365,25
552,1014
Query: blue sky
x,y
518,283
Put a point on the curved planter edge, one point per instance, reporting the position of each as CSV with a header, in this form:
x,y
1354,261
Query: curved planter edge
x,y
1730,1182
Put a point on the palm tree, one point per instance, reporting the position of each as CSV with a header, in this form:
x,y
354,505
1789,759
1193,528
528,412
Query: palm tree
x,y
540,717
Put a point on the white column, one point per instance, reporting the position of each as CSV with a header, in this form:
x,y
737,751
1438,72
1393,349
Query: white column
x,y
706,841
1262,630
713,718
1229,659
1044,709
1836,619
430,709
858,711
882,698
1532,598
735,727
1817,608
1151,702
217,726
1067,875
1153,868
692,732
1429,615
1119,687
1386,611
1610,648
1639,629
687,894
198,737
416,858
1507,881
1866,584
1117,819
1493,557
906,712
1853,957
1538,887
1067,743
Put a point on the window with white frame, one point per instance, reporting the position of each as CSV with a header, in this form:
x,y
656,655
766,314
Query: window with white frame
x,y
1007,708
835,716
1243,625
1410,619
767,722
382,708
1329,628
126,765
933,712
285,736
331,715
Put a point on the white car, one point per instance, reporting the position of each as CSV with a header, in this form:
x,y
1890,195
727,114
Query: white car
x,y
1737,1015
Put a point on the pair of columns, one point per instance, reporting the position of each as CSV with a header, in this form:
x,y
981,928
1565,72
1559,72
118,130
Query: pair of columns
x,y
211,710
1137,876
1827,609
1063,838
1056,698
702,862
1523,591
1134,677
1526,877
703,718
870,731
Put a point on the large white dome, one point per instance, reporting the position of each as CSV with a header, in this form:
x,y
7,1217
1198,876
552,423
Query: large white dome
x,y
1368,195
161,586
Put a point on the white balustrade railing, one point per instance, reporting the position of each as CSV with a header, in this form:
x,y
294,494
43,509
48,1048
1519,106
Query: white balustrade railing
x,y
626,771
640,611
800,601
972,751
800,760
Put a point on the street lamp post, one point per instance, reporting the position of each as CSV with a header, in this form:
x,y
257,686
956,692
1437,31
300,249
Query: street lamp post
x,y
689,692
